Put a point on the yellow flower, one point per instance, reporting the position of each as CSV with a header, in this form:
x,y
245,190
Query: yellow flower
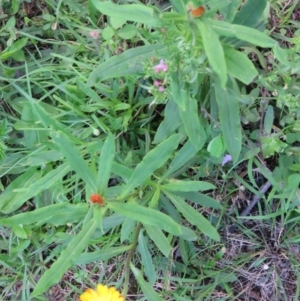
x,y
103,293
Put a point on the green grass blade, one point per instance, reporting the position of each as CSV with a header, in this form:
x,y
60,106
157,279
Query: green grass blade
x,y
66,259
105,163
151,162
194,217
147,216
75,159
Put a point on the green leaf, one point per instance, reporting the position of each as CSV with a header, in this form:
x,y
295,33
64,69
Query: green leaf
x,y
16,46
147,216
146,258
185,153
132,12
216,147
194,217
159,239
179,5
243,33
229,11
170,123
178,96
147,289
103,254
199,198
127,32
48,121
239,66
105,163
229,114
75,159
213,50
130,62
107,33
56,214
15,6
151,162
251,12
66,259
193,128
177,185
269,119
13,196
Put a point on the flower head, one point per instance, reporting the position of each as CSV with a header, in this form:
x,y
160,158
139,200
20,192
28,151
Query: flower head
x,y
102,293
226,159
94,34
161,66
161,89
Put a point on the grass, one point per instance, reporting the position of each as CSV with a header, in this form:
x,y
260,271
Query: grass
x,y
112,171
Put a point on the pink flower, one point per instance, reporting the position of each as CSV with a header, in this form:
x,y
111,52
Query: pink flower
x,y
226,159
161,66
156,83
94,34
161,89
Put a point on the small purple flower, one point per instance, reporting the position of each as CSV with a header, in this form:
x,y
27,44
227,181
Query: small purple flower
x,y
161,66
161,89
226,159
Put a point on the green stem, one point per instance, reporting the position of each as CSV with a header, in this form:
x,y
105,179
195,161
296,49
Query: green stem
x,y
128,259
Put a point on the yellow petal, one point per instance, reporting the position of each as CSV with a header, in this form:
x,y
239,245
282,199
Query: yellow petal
x,y
89,295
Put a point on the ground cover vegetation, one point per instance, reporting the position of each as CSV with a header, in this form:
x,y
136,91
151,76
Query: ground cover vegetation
x,y
151,146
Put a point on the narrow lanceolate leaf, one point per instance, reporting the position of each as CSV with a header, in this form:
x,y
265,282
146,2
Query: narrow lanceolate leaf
x,y
213,50
194,217
103,254
146,288
185,153
13,196
250,13
243,33
105,163
66,259
131,12
56,214
151,162
178,185
170,123
193,128
159,239
130,62
75,159
239,66
147,216
229,114
146,258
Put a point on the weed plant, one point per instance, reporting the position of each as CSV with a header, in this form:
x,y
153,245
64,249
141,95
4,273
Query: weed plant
x,y
152,146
